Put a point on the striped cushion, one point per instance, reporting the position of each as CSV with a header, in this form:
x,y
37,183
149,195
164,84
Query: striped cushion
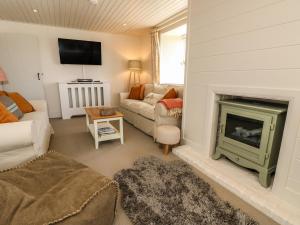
x,y
11,106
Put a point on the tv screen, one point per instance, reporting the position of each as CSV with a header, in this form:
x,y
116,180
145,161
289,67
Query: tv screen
x,y
79,52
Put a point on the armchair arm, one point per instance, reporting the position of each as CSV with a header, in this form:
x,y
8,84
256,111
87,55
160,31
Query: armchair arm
x,y
161,110
16,135
123,96
39,105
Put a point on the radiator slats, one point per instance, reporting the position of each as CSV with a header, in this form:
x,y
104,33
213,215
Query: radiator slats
x,y
93,96
80,97
74,97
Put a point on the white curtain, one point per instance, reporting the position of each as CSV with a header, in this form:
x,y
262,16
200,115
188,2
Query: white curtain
x,y
155,49
172,22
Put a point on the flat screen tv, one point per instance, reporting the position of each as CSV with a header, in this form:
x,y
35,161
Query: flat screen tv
x,y
79,52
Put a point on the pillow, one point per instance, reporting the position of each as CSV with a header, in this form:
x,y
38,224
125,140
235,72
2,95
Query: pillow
x,y
6,116
11,106
135,93
170,94
22,103
153,98
142,92
3,93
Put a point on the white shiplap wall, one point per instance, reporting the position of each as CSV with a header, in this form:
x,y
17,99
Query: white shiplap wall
x,y
253,44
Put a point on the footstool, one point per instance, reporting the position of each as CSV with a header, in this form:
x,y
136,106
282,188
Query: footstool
x,y
54,189
168,136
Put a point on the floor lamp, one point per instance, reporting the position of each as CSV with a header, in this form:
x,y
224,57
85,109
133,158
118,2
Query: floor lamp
x,y
2,77
135,67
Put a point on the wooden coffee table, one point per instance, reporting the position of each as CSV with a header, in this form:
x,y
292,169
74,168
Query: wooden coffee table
x,y
94,120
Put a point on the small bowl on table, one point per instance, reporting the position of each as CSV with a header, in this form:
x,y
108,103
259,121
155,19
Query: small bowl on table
x,y
107,111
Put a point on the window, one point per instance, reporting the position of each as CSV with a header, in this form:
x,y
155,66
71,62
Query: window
x,y
172,55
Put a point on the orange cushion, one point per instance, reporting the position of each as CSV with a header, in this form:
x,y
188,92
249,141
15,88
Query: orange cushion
x,y
6,116
21,102
142,92
170,94
135,93
3,93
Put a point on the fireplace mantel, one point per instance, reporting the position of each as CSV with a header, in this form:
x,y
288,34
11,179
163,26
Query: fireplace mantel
x,y
283,197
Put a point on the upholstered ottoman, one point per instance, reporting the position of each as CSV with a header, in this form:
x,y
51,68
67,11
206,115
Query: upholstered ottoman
x,y
168,136
54,189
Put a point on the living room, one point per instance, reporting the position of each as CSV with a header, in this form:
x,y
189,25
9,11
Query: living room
x,y
149,112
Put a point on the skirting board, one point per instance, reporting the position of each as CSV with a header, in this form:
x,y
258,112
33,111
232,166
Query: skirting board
x,y
249,189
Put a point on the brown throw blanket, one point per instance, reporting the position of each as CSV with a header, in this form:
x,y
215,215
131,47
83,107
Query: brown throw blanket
x,y
53,188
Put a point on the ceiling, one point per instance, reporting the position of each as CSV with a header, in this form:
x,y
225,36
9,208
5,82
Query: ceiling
x,y
113,16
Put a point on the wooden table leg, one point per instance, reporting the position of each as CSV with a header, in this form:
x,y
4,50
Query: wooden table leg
x,y
96,134
166,149
121,130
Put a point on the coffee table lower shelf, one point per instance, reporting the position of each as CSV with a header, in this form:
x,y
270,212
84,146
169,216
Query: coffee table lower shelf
x,y
105,137
93,124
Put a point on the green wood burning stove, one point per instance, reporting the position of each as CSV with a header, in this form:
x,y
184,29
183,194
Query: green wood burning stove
x,y
250,135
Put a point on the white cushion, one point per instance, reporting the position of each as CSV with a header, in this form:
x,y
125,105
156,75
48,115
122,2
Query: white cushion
x,y
131,104
167,134
152,98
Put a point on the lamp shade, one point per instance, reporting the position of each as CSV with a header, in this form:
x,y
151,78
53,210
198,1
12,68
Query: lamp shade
x,y
2,75
134,65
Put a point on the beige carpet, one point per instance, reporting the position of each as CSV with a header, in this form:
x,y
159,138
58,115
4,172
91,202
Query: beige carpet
x,y
72,139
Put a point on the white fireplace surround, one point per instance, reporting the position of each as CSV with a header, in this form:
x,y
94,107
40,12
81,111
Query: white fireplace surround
x,y
282,200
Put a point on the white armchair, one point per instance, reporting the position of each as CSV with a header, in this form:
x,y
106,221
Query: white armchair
x,y
27,138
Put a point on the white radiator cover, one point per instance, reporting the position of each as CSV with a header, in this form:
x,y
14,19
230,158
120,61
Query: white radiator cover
x,y
74,97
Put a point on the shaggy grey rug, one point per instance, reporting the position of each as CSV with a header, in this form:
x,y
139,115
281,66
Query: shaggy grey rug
x,y
155,192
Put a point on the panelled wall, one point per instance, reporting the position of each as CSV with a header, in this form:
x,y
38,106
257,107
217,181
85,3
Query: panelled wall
x,y
238,43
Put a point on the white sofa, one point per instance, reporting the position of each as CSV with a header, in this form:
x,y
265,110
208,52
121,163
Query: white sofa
x,y
27,138
145,116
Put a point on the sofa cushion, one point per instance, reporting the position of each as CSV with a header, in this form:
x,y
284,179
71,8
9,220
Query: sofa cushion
x,y
152,98
11,106
6,116
147,110
179,90
131,104
139,107
170,94
135,93
21,102
3,93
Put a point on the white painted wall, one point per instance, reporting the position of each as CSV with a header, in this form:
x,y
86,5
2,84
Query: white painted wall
x,y
116,50
251,44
